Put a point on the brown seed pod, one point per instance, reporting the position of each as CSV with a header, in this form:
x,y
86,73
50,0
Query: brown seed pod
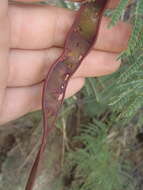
x,y
80,38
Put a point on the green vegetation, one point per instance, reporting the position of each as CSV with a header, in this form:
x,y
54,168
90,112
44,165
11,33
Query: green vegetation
x,y
108,119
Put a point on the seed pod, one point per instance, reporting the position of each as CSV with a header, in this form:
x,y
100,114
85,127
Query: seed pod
x,y
78,43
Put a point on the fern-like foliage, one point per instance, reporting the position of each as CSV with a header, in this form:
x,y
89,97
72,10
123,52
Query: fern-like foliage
x,y
129,89
96,166
119,11
128,96
137,27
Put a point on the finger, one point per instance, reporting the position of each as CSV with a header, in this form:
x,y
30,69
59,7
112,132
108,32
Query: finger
x,y
4,46
29,0
98,63
48,27
111,3
31,67
113,39
19,101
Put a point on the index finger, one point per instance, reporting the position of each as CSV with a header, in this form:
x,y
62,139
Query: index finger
x,y
110,4
40,27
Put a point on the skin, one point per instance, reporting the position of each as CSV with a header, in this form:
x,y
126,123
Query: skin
x,y
31,39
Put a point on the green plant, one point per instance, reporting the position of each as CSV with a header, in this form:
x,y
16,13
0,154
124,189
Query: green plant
x,y
97,164
127,99
116,102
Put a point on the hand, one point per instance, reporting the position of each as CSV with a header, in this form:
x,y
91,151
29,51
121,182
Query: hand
x,y
35,35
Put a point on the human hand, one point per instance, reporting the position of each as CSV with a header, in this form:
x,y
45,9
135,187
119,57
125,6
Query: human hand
x,y
36,38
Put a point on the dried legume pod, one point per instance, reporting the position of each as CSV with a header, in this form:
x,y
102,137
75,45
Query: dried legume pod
x,y
78,43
